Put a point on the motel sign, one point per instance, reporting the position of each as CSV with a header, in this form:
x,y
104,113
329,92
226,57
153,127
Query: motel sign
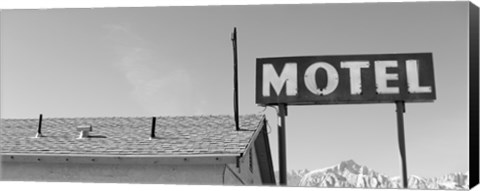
x,y
376,78
345,79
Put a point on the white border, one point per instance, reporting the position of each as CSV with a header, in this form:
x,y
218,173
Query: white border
x,y
47,4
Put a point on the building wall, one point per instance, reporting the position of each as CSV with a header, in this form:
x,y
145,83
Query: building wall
x,y
106,172
231,178
124,173
244,175
256,169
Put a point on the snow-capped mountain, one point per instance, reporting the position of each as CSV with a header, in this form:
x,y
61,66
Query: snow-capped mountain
x,y
349,174
450,181
293,177
346,174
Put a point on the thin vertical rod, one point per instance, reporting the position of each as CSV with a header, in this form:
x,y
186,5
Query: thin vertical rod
x,y
235,78
401,140
282,150
39,130
152,134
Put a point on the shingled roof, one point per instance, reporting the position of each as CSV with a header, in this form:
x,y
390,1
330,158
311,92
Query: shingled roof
x,y
182,135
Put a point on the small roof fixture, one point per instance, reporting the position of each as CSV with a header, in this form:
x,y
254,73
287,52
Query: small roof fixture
x,y
152,133
84,131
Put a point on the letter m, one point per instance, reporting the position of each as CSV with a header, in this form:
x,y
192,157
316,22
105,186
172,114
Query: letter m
x,y
288,76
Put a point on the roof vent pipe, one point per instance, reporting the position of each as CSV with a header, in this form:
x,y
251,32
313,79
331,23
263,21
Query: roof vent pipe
x,y
152,133
84,131
39,130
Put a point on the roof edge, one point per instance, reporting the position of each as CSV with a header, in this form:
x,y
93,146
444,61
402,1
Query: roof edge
x,y
120,159
254,136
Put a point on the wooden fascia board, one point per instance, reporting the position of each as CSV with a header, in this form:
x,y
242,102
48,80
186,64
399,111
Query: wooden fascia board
x,y
120,159
263,150
251,143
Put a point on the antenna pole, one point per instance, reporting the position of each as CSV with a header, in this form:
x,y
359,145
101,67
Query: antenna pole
x,y
235,78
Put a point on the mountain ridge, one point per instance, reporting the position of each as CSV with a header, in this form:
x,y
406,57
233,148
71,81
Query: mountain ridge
x,y
349,174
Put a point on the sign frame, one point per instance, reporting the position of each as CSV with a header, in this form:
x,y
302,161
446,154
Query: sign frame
x,y
342,95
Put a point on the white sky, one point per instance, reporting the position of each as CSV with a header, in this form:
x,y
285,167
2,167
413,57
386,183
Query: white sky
x,y
178,61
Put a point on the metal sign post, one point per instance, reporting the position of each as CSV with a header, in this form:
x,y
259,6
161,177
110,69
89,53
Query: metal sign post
x,y
282,150
401,140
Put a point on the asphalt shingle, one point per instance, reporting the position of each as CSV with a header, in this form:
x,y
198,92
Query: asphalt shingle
x,y
177,135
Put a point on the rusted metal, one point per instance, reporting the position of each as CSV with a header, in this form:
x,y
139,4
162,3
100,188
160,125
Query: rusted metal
x,y
400,105
345,79
235,78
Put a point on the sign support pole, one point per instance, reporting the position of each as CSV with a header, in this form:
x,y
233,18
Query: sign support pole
x,y
282,150
401,140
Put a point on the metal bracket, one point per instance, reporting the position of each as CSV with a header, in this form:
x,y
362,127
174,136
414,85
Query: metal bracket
x,y
238,162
